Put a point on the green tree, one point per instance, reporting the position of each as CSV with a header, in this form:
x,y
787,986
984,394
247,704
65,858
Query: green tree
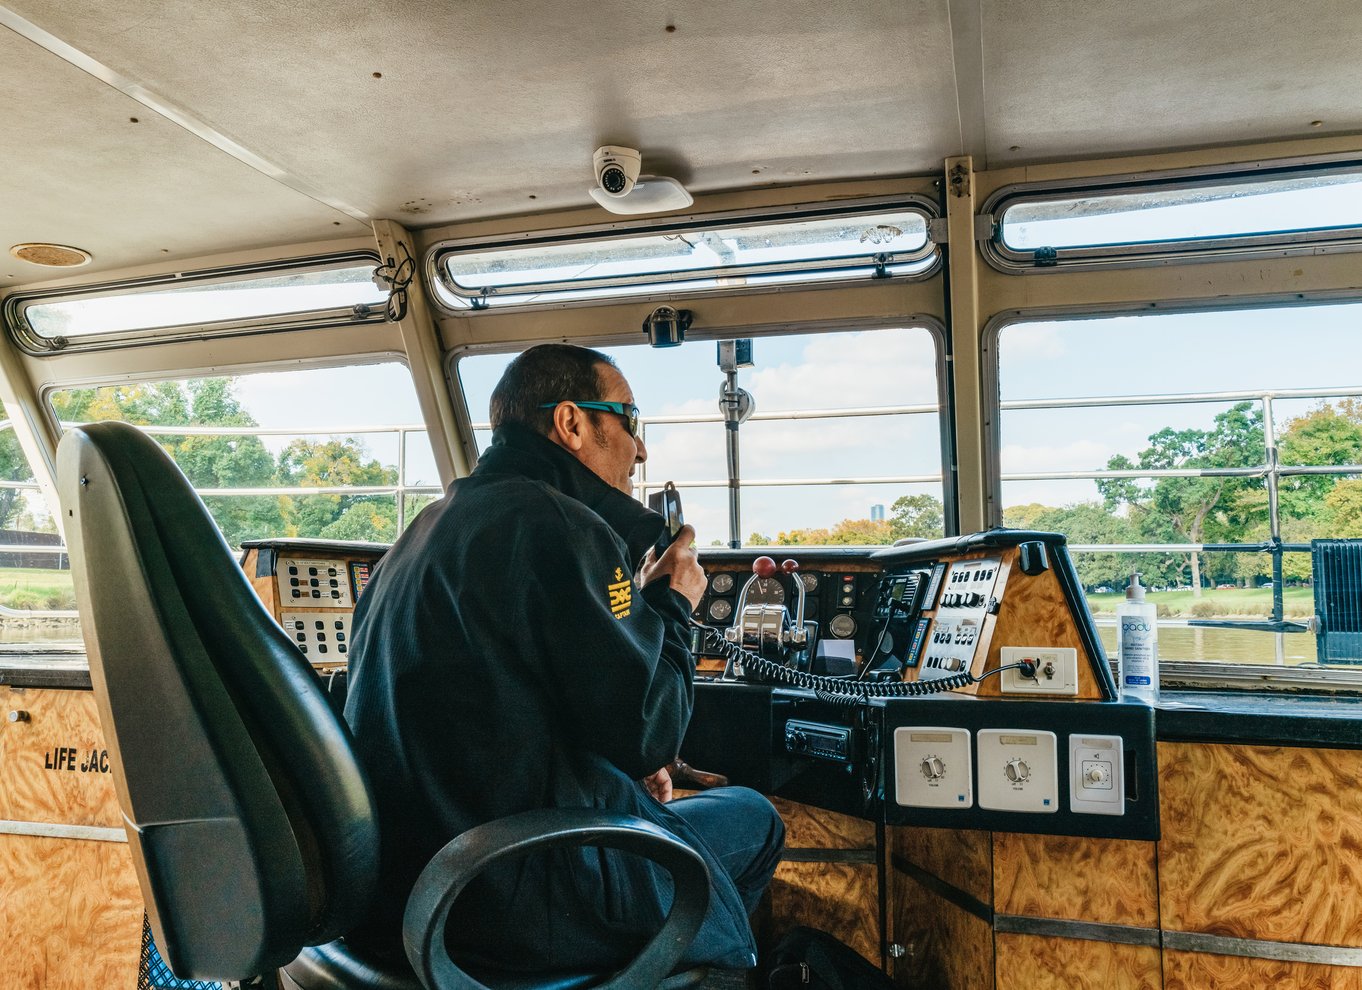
x,y
1090,522
919,516
848,532
237,461
1194,509
207,461
331,464
13,467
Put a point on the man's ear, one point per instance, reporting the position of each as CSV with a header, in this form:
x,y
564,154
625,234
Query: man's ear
x,y
569,426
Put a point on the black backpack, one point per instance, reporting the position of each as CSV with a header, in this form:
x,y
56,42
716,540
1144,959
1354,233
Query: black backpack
x,y
807,959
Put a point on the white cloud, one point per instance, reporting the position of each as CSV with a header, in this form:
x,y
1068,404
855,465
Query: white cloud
x,y
873,368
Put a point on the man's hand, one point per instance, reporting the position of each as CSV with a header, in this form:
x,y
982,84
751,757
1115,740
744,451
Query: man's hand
x,y
680,564
659,784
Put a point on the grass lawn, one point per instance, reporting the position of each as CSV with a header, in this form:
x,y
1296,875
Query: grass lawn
x,y
1226,601
36,588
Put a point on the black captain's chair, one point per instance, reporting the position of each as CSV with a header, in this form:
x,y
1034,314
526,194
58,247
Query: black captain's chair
x,y
251,824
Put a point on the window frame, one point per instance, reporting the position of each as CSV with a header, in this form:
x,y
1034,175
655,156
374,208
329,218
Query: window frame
x,y
1013,261
444,291
33,343
1224,675
936,329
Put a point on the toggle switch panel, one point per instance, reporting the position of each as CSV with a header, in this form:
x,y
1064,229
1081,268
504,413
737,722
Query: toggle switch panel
x,y
1018,770
932,767
1097,783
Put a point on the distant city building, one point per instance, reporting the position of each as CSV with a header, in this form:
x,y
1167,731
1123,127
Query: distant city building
x,y
877,513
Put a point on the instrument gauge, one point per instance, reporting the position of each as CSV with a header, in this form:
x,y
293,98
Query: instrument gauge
x,y
722,584
766,591
842,626
810,582
720,609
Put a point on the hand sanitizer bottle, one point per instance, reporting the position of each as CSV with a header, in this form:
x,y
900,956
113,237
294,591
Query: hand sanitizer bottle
x,y
1137,639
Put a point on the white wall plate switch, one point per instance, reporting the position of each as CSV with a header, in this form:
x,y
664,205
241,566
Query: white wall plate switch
x,y
1018,770
932,767
1097,784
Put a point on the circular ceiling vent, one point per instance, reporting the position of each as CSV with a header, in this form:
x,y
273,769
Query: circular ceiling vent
x,y
51,255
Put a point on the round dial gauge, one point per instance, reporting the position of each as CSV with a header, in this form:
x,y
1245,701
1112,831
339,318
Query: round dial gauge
x,y
842,626
766,591
810,582
722,583
720,609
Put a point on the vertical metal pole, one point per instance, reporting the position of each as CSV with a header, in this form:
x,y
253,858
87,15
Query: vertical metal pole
x,y
401,480
1274,522
729,400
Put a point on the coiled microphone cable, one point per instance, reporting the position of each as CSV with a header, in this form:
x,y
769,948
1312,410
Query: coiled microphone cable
x,y
842,690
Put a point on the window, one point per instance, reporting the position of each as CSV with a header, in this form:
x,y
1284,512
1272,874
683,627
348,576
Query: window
x,y
267,454
326,292
37,597
830,245
1182,217
1205,450
845,446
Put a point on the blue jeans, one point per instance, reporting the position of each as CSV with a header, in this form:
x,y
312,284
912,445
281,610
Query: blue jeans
x,y
744,833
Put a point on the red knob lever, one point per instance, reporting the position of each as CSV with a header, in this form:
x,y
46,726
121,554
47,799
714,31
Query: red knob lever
x,y
763,567
789,566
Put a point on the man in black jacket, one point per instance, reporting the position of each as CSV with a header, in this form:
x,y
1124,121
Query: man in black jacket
x,y
521,646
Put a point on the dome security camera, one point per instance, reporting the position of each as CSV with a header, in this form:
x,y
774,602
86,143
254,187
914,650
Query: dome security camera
x,y
617,170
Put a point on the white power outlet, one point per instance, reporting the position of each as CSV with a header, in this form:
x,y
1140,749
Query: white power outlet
x,y
1056,670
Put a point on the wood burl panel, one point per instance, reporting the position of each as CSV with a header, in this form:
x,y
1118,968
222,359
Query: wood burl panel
x,y
46,769
807,827
70,915
1034,962
1035,613
839,898
1053,876
1261,842
960,858
947,947
1197,971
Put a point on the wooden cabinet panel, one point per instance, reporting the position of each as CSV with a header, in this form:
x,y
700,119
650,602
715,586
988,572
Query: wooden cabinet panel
x,y
1198,971
54,766
1049,876
947,948
807,827
71,915
841,898
1032,962
1261,842
960,858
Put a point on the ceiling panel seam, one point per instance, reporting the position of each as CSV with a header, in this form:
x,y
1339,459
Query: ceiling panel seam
x,y
175,114
967,60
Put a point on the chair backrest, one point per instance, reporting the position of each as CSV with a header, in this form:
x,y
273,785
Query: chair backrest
x,y
251,823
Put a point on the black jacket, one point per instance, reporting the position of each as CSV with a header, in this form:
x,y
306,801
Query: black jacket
x,y
503,660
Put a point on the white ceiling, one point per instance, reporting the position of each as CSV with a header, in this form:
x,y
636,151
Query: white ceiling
x,y
262,123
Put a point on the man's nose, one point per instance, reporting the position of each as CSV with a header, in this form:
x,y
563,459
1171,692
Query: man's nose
x,y
640,450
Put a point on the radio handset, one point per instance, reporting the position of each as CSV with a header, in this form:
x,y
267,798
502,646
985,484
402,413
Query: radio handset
x,y
667,504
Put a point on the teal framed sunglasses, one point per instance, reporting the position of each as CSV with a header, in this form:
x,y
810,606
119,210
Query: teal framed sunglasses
x,y
629,412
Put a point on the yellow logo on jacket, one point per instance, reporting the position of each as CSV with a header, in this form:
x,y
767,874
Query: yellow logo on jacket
x,y
621,594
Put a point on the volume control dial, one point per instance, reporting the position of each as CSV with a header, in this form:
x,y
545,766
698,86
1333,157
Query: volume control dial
x,y
933,768
1016,770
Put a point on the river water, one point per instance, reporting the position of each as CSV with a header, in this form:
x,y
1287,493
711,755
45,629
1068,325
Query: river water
x,y
1225,645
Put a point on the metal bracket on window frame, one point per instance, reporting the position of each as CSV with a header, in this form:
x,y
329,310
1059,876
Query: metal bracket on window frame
x,y
938,229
